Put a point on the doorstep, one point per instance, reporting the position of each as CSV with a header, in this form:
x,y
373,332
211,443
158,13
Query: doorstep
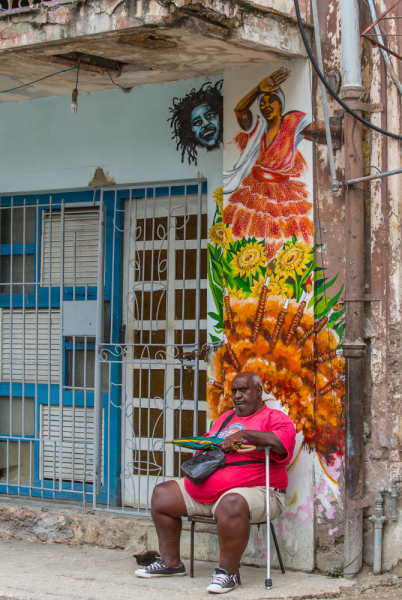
x,y
68,523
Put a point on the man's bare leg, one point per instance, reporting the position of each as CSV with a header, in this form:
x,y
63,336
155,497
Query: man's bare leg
x,y
232,517
167,509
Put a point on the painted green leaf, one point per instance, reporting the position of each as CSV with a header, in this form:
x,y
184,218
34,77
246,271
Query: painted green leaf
x,y
321,305
211,249
331,303
215,340
217,267
324,286
340,332
216,291
337,315
243,285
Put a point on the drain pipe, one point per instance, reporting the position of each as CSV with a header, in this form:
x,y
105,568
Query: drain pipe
x,y
394,497
378,518
354,349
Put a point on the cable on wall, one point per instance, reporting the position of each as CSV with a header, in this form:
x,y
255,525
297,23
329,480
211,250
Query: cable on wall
x,y
330,90
41,79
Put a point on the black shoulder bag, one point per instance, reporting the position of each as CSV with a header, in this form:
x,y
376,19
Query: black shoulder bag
x,y
204,463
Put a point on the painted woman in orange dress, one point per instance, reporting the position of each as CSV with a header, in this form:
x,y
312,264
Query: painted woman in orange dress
x,y
266,199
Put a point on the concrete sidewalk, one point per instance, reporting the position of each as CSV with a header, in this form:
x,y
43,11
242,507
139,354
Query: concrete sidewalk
x,y
39,571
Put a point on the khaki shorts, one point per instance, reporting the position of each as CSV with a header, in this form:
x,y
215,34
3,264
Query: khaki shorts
x,y
254,496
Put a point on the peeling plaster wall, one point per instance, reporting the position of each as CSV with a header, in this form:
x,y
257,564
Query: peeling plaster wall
x,y
329,227
52,23
382,394
383,319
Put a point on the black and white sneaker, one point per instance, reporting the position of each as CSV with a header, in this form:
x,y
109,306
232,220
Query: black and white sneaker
x,y
221,582
159,569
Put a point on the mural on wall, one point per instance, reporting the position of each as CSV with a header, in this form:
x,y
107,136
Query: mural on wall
x,y
197,120
277,313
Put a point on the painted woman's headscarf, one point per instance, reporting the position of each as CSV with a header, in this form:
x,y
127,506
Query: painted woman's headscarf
x,y
232,179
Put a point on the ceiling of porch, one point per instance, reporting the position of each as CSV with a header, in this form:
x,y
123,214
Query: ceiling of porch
x,y
153,47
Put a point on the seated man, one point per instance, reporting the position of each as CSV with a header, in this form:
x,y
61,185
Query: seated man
x,y
234,496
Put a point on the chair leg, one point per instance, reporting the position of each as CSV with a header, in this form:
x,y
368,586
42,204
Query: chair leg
x,y
277,548
238,576
192,549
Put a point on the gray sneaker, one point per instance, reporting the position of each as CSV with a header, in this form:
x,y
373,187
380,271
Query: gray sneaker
x,y
159,569
222,582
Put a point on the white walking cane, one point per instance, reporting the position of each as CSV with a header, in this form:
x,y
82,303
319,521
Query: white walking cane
x,y
268,581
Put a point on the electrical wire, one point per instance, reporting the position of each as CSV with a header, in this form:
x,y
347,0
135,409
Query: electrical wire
x,y
388,64
353,133
77,66
357,155
366,42
351,563
126,89
78,72
330,90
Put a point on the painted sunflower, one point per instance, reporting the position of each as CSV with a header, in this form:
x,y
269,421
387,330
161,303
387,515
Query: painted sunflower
x,y
218,197
277,286
293,258
221,235
236,293
257,287
249,259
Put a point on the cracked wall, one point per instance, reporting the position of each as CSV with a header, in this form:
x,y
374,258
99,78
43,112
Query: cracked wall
x,y
382,382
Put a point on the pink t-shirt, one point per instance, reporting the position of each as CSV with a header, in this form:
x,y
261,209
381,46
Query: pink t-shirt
x,y
252,475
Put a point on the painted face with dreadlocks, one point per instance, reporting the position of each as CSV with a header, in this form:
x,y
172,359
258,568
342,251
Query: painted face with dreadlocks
x,y
197,120
206,125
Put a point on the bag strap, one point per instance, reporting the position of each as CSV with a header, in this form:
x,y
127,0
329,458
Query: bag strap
x,y
226,422
242,463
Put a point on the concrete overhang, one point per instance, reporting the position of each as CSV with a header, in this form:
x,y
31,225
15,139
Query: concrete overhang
x,y
140,42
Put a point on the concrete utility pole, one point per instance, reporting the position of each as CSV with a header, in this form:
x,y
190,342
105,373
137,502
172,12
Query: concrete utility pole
x,y
354,348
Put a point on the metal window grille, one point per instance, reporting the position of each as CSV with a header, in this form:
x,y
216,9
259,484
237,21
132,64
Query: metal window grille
x,y
98,298
48,265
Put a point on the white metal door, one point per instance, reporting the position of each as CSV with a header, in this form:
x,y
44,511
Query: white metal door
x,y
165,300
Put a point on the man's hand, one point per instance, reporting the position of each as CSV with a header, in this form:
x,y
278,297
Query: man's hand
x,y
228,444
256,438
274,81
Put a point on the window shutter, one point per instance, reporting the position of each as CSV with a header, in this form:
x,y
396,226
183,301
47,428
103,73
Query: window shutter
x,y
36,345
71,456
81,237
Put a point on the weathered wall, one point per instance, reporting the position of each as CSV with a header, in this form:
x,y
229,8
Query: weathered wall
x,y
383,398
54,22
329,227
382,394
